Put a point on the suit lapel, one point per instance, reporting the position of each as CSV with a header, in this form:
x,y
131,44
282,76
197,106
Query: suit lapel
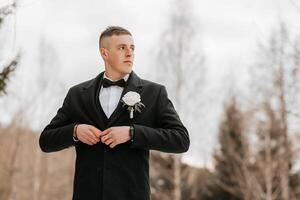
x,y
133,84
91,101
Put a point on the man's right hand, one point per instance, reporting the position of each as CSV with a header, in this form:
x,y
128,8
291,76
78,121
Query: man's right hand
x,y
88,134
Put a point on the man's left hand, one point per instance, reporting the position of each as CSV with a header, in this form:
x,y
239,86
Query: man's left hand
x,y
115,135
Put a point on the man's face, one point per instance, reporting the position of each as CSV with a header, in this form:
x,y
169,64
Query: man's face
x,y
118,53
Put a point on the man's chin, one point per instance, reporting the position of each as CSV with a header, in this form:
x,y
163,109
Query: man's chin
x,y
127,71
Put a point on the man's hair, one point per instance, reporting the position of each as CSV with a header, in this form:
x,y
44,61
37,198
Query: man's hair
x,y
113,30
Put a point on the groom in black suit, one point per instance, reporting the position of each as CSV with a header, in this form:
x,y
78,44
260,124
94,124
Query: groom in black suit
x,y
113,121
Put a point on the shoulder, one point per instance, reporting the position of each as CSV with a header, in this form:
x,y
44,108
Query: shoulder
x,y
83,85
75,89
156,89
151,84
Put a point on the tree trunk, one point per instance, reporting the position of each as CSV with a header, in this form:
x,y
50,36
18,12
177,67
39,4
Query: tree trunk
x,y
177,177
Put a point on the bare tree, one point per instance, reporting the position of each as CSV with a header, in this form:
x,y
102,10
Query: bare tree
x,y
48,86
181,68
266,162
276,83
19,171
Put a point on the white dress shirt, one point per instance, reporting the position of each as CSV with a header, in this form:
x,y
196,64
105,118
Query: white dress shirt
x,y
109,97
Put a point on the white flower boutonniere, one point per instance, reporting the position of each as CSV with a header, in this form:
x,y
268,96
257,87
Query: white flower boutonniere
x,y
133,101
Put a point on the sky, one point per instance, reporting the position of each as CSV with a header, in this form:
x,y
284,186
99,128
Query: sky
x,y
64,36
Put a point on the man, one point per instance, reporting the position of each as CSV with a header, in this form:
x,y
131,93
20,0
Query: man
x,y
113,121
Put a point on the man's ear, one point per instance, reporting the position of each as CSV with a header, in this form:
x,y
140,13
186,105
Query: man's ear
x,y
103,53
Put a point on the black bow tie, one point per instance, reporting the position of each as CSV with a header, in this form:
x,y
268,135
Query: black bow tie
x,y
107,83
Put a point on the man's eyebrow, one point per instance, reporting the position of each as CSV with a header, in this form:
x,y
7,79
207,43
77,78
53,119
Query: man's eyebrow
x,y
125,45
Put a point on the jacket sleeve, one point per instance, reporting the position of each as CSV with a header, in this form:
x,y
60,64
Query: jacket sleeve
x,y
171,136
58,134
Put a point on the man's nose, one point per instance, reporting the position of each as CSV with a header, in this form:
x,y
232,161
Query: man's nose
x,y
129,52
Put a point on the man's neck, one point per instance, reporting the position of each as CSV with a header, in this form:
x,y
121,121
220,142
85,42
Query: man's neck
x,y
115,77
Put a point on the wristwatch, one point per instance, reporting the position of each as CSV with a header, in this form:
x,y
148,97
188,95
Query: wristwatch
x,y
131,133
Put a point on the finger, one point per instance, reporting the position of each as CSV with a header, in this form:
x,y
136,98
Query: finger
x,y
83,136
96,131
90,137
109,141
86,141
106,131
90,141
106,137
103,139
93,136
112,145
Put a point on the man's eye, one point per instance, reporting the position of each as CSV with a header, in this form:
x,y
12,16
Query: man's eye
x,y
121,48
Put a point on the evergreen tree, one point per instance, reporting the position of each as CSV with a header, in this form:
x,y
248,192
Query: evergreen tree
x,y
10,67
232,179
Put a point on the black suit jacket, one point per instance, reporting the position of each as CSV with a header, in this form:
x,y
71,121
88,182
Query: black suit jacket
x,y
121,173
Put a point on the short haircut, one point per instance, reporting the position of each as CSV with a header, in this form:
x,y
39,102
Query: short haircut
x,y
113,30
